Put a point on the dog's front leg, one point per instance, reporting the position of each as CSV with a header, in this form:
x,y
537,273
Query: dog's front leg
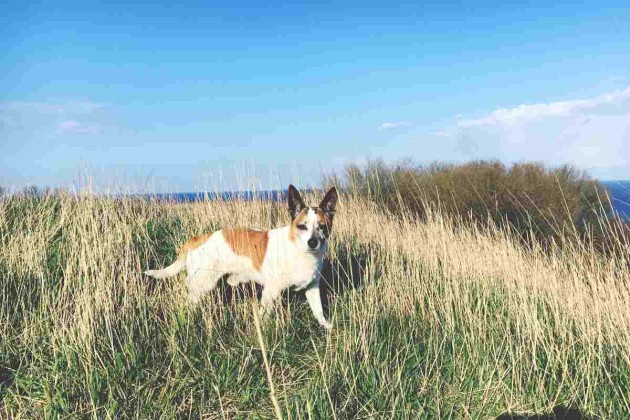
x,y
315,302
268,299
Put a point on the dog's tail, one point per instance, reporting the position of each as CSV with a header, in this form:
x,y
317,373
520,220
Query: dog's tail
x,y
180,262
169,271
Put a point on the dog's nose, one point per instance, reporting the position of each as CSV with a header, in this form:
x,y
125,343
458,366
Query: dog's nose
x,y
313,243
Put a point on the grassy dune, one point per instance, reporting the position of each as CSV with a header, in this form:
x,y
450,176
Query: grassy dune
x,y
438,319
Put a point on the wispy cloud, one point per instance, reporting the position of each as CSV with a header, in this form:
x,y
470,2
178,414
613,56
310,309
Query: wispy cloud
x,y
53,107
78,127
393,124
55,117
528,113
591,133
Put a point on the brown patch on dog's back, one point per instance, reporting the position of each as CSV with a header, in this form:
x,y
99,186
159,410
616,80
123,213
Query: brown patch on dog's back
x,y
192,243
248,243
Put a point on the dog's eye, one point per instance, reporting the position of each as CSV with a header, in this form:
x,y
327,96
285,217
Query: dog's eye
x,y
301,227
322,226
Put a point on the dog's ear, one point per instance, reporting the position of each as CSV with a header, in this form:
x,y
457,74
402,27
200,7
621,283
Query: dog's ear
x,y
329,203
295,202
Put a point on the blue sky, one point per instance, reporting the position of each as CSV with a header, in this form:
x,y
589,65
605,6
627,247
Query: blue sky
x,y
189,96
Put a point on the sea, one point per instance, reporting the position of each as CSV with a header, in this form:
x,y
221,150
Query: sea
x,y
619,192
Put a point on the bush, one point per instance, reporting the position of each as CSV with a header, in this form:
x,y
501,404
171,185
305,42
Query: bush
x,y
530,197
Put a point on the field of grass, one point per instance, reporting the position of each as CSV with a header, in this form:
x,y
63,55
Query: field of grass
x,y
432,319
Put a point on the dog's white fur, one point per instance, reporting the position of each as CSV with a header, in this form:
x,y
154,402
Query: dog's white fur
x,y
289,260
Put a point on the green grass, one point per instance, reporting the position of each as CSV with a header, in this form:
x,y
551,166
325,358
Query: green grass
x,y
448,322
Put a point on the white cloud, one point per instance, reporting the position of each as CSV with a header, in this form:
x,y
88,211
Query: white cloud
x,y
77,127
393,124
56,108
592,133
53,118
533,112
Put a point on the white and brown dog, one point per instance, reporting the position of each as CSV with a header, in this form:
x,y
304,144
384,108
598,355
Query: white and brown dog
x,y
277,259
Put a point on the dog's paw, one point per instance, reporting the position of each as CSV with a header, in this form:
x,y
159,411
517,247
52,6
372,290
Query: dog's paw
x,y
327,325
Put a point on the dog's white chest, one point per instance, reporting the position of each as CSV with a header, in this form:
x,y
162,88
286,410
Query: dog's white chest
x,y
288,265
304,277
299,271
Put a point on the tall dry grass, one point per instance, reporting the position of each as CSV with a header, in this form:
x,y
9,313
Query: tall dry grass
x,y
435,319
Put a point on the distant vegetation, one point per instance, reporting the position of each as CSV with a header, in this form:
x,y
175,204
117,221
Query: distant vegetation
x,y
538,202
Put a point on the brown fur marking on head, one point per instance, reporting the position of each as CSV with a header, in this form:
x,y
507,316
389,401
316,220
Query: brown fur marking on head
x,y
248,243
293,231
322,218
191,244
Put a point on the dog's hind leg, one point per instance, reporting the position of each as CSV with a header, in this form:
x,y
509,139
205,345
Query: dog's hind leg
x,y
193,295
201,281
236,279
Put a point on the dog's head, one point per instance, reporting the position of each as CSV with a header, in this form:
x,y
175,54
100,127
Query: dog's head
x,y
311,226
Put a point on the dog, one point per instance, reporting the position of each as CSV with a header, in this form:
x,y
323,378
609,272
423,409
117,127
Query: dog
x,y
290,256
